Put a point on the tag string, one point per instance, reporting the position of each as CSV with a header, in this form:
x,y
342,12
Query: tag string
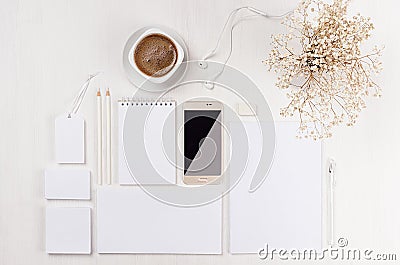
x,y
81,95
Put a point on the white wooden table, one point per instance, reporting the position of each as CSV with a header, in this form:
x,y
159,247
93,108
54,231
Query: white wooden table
x,y
47,48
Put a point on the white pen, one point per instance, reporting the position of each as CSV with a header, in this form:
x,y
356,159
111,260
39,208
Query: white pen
x,y
332,183
99,139
108,124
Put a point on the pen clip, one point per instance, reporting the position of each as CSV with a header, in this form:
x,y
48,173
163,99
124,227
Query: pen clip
x,y
332,171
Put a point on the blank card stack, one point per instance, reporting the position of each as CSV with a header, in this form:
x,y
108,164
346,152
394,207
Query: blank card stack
x,y
68,229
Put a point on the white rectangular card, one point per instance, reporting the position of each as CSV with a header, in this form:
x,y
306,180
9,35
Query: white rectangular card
x,y
131,221
67,184
68,230
286,211
70,139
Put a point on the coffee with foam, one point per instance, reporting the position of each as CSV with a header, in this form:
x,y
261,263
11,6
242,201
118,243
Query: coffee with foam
x,y
155,55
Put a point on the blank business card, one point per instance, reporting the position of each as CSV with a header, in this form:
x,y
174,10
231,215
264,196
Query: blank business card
x,y
68,230
67,184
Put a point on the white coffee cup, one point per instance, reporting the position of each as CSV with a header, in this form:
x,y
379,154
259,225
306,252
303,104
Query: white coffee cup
x,y
154,79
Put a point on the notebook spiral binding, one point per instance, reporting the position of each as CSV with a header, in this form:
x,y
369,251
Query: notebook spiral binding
x,y
126,101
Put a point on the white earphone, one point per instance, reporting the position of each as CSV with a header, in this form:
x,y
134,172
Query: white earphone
x,y
203,64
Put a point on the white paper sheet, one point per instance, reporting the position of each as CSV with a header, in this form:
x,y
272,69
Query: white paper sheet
x,y
130,221
150,134
68,230
67,184
70,139
285,212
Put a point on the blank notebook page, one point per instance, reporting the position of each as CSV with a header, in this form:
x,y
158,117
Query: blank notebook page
x,y
285,212
147,143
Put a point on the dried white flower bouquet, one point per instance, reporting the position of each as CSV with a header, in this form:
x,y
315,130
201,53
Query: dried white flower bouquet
x,y
327,77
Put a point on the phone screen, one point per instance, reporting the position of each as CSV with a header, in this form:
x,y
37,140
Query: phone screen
x,y
202,142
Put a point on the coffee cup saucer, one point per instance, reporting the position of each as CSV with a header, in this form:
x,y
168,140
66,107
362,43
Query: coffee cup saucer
x,y
139,80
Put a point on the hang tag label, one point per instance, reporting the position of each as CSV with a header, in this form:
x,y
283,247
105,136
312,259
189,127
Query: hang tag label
x,y
70,139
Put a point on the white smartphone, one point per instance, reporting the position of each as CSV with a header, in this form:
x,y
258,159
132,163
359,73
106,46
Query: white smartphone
x,y
202,143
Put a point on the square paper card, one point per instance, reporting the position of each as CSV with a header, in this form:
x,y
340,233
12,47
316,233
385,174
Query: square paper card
x,y
68,230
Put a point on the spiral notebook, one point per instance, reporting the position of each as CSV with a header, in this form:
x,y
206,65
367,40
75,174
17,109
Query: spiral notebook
x,y
147,142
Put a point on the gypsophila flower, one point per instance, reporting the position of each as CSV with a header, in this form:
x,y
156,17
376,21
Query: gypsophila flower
x,y
327,77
